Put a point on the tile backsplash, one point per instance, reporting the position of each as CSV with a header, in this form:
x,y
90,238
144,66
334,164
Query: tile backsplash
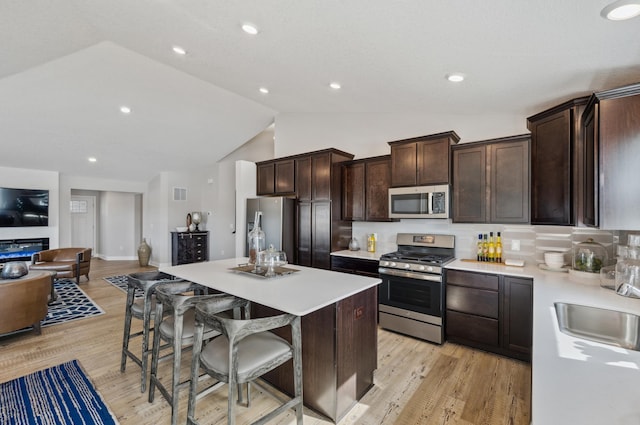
x,y
533,241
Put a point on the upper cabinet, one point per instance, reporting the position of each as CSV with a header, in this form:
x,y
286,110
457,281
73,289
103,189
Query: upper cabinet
x,y
611,127
275,177
365,189
491,181
421,160
557,164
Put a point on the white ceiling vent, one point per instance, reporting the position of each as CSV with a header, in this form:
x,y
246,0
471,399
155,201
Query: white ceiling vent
x,y
179,194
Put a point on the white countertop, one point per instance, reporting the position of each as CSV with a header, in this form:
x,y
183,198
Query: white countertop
x,y
362,254
298,293
575,381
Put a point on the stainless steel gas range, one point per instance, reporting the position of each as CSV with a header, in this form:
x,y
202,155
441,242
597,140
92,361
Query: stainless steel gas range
x,y
412,290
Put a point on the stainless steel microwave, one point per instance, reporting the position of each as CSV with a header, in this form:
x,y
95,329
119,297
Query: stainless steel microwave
x,y
419,202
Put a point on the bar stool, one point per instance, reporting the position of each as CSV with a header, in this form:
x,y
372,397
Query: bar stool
x,y
177,332
245,351
145,282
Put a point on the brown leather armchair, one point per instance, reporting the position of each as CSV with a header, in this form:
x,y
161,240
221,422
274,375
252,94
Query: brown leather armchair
x,y
24,301
67,262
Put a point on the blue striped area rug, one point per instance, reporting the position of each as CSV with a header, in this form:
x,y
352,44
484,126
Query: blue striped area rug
x,y
60,395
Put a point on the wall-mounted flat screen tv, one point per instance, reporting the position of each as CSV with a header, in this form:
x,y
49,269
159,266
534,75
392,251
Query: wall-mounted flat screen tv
x,y
24,207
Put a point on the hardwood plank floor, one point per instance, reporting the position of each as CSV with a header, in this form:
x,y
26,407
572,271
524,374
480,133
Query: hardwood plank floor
x,y
466,386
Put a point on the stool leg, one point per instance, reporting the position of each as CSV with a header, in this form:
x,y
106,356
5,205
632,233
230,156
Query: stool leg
x,y
155,353
146,323
127,329
177,358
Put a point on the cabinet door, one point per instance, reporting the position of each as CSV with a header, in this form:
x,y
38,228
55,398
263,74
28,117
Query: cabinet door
x,y
321,177
377,181
469,185
509,164
285,176
619,159
590,195
517,317
433,162
265,176
403,165
353,191
303,178
551,170
303,247
321,235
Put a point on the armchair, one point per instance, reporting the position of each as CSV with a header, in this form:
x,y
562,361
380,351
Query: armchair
x,y
23,301
66,262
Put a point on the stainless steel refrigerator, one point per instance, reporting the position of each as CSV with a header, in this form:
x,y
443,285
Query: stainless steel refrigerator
x,y
278,223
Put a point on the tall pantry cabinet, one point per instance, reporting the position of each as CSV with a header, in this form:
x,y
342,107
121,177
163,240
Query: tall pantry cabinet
x,y
316,181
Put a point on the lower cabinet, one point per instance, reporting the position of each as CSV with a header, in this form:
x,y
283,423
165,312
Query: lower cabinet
x,y
360,266
339,354
490,312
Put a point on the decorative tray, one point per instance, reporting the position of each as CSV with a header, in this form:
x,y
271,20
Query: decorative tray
x,y
252,270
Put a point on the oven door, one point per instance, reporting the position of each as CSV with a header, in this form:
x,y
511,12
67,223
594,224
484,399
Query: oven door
x,y
419,292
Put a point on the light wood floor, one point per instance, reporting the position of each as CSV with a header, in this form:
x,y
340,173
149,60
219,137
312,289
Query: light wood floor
x,y
468,386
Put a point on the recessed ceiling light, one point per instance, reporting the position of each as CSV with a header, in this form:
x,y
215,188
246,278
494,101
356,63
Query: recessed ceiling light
x,y
92,159
179,50
335,86
264,90
249,29
621,10
125,109
455,78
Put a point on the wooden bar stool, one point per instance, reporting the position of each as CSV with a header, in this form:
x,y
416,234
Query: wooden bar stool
x,y
176,330
245,351
146,283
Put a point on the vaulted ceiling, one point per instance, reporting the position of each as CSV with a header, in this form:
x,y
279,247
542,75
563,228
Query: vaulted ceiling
x,y
68,65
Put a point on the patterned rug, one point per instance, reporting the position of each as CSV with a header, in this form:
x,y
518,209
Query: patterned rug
x,y
120,282
60,395
72,304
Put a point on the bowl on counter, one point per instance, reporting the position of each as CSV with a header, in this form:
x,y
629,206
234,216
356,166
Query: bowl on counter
x,y
182,229
554,260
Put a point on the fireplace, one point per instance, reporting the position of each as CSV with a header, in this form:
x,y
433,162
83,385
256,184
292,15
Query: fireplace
x,y
21,249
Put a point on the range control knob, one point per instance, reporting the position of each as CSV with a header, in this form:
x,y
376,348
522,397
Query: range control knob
x,y
421,268
384,263
407,266
393,264
429,269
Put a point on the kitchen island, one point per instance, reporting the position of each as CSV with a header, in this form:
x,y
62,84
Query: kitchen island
x,y
339,326
574,380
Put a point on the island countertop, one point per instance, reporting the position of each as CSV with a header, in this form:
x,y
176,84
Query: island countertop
x,y
299,293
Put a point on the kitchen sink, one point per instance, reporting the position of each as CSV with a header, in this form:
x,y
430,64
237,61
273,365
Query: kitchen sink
x,y
601,325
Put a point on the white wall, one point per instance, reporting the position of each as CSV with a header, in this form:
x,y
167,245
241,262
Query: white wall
x,y
118,234
366,135
20,178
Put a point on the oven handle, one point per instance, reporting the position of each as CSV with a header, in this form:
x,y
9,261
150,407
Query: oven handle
x,y
411,275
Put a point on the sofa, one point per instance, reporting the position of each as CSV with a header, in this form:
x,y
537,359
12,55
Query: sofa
x,y
66,262
24,301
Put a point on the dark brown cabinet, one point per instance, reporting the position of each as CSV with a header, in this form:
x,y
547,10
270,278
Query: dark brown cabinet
x,y
490,312
338,362
189,247
557,164
365,189
303,178
275,177
612,153
491,181
360,266
421,160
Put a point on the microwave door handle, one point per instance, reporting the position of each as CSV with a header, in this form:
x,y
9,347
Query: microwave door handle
x,y
429,203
